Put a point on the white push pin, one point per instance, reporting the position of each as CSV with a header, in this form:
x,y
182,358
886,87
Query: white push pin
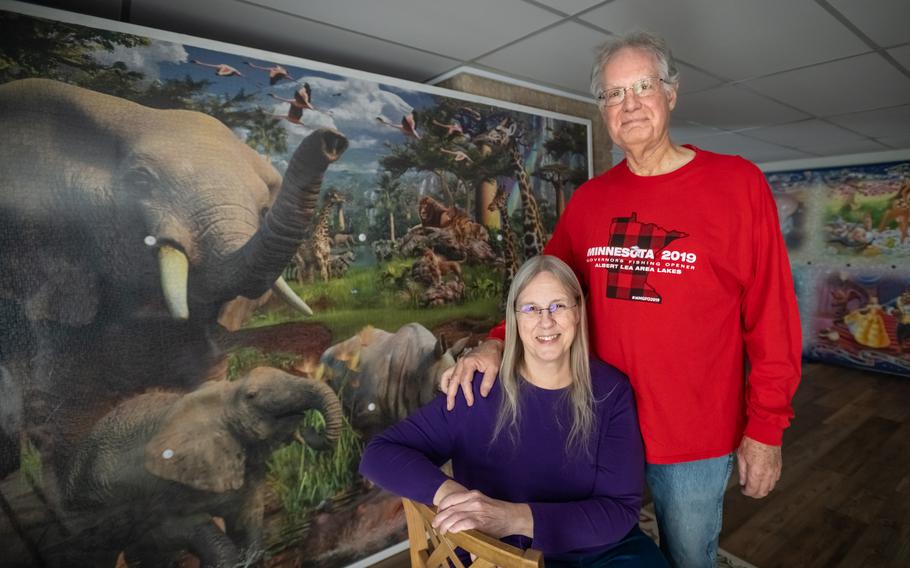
x,y
167,454
150,241
371,407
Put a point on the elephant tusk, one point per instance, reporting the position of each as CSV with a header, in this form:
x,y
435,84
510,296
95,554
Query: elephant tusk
x,y
283,290
175,270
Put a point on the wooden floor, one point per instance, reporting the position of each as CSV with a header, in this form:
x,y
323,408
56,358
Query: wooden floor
x,y
844,498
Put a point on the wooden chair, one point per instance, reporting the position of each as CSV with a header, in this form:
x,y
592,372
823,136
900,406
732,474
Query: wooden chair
x,y
429,549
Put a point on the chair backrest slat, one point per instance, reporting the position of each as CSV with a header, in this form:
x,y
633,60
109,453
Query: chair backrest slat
x,y
429,549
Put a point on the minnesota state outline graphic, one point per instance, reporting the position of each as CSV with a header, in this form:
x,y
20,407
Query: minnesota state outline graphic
x,y
629,232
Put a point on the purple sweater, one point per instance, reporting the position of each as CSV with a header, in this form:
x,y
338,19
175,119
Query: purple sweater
x,y
579,505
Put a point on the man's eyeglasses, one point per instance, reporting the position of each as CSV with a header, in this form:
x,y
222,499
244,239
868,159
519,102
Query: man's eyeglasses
x,y
555,309
644,87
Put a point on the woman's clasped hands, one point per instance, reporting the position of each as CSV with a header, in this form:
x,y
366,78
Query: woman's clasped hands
x,y
460,509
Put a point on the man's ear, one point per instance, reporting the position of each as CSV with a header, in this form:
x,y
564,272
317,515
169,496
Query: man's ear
x,y
671,96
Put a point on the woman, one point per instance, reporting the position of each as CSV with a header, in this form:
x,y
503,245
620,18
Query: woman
x,y
551,459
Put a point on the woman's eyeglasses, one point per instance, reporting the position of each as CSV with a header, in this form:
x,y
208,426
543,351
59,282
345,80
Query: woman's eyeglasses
x,y
555,309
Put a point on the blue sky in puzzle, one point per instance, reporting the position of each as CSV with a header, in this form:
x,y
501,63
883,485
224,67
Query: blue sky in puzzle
x,y
348,104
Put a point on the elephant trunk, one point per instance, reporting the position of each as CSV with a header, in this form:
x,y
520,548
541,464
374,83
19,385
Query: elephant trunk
x,y
288,221
213,547
321,397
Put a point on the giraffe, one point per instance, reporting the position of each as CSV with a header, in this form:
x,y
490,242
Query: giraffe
x,y
318,248
510,248
503,135
532,239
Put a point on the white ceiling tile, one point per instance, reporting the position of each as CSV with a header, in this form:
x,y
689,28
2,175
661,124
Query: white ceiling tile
x,y
842,148
464,30
805,134
736,39
896,142
887,22
691,79
733,108
109,9
562,56
854,84
902,54
570,6
882,123
248,25
749,148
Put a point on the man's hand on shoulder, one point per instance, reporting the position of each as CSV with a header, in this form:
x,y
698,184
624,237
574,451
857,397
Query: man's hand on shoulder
x,y
484,358
759,467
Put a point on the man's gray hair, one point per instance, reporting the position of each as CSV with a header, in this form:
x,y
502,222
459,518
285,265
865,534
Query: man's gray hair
x,y
647,41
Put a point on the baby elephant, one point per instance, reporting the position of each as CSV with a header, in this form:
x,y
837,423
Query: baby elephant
x,y
154,471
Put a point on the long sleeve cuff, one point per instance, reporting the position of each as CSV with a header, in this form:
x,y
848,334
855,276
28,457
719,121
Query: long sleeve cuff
x,y
764,432
401,471
546,532
576,527
427,491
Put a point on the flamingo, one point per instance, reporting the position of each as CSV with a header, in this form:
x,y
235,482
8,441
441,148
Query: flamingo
x,y
453,128
221,69
276,72
459,156
301,97
295,113
408,125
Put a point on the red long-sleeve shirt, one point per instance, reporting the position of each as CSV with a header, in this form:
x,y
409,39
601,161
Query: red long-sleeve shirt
x,y
686,276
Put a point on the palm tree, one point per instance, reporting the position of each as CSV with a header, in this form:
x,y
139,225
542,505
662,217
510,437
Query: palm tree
x,y
389,199
266,135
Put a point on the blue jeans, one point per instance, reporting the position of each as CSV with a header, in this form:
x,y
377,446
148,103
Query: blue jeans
x,y
635,550
688,503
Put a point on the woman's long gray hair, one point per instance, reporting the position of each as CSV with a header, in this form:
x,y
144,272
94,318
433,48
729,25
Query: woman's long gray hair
x,y
580,395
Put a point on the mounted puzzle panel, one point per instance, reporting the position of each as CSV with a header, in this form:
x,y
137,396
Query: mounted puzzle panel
x,y
221,271
847,232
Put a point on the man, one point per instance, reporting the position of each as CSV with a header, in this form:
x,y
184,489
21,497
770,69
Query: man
x,y
688,283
